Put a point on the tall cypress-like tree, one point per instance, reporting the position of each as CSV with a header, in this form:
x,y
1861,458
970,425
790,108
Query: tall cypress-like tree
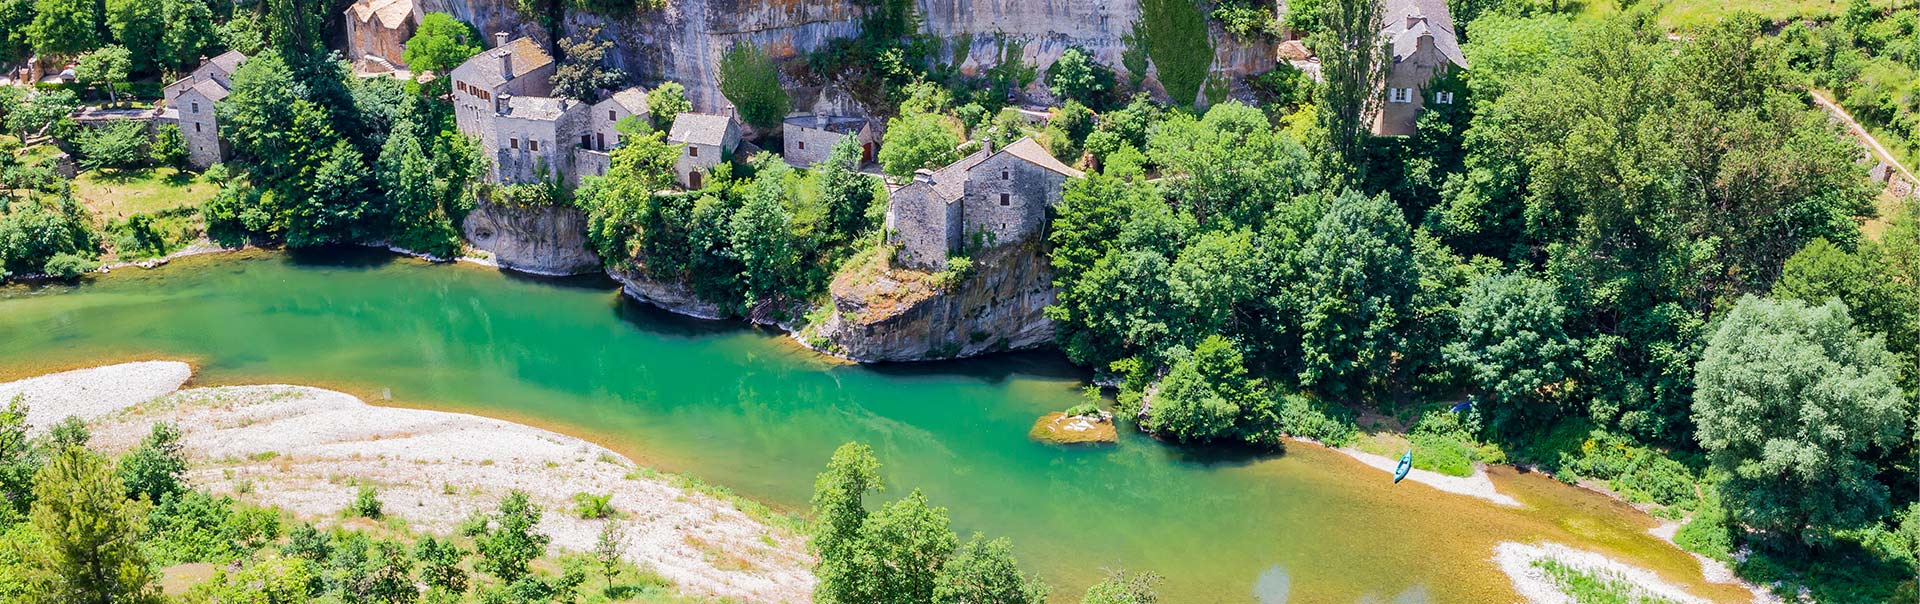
x,y
1352,65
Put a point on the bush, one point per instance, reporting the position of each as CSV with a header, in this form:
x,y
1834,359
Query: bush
x,y
197,527
1083,410
169,147
589,506
366,503
1300,417
69,266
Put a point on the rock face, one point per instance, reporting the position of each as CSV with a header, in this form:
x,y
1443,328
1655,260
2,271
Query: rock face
x,y
684,41
673,297
548,240
899,316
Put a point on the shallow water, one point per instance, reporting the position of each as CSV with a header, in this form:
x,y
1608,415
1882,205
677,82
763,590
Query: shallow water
x,y
751,411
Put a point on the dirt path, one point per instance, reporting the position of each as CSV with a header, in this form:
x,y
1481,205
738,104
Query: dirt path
x,y
1860,132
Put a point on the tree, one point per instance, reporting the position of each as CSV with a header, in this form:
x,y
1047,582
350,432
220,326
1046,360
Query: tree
x,y
508,544
108,65
749,79
1513,345
440,44
916,141
39,111
667,101
139,27
169,146
274,580
64,28
1357,277
440,565
985,572
188,34
839,511
1208,396
1874,293
154,470
91,533
583,73
904,546
391,581
118,146
759,236
1077,76
19,461
1790,402
405,175
16,20
849,195
1122,588
1352,66
608,549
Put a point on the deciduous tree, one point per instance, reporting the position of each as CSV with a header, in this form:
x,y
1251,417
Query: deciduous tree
x,y
441,44
749,79
91,552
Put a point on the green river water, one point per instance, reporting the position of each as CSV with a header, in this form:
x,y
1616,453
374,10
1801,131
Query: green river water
x,y
750,410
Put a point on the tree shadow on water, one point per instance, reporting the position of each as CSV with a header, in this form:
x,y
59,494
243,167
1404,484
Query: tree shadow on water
x,y
1217,456
658,321
994,368
593,281
351,257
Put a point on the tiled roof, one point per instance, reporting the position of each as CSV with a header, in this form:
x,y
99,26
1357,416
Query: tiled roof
x,y
633,99
543,108
1031,151
229,61
211,89
950,183
838,124
1437,20
699,128
527,57
391,13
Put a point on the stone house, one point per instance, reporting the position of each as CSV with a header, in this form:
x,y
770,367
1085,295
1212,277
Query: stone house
x,y
985,200
809,139
600,138
1424,47
377,33
190,103
503,97
708,139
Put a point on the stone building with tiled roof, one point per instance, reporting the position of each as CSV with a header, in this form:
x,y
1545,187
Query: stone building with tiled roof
x,y
986,200
1424,46
809,138
707,139
190,103
378,30
504,98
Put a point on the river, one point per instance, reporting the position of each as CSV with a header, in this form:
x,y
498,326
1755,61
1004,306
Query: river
x,y
750,410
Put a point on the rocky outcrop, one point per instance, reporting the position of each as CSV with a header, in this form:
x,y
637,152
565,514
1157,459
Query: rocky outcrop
x,y
892,314
671,296
683,42
546,240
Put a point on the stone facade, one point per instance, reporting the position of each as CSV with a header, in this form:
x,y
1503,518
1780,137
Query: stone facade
x,y
984,201
191,103
1425,47
708,139
377,33
504,98
809,139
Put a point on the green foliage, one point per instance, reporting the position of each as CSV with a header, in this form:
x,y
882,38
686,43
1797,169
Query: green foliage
x,y
1359,264
1883,305
1076,76
40,111
589,506
1596,587
440,565
20,459
187,33
665,102
506,545
1207,396
1513,345
193,526
118,146
108,65
1121,587
1285,87
64,28
269,581
917,141
985,572
154,470
169,147
1174,33
366,503
1710,531
1773,371
583,72
839,512
1352,61
35,232
1247,20
440,44
90,530
749,79
140,28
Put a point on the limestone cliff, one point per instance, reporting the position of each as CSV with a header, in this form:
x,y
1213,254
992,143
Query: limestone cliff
x,y
547,240
683,42
889,314
671,296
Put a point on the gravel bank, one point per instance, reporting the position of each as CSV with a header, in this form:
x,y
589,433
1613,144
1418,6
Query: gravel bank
x,y
1534,584
304,449
1477,485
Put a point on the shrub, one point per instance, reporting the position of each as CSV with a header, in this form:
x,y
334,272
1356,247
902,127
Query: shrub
x,y
589,506
1083,410
366,503
169,146
1300,417
69,266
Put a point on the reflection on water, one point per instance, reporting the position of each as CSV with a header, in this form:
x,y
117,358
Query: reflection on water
x,y
1273,585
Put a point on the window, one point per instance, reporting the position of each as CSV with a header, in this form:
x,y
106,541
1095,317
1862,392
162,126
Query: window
x,y
1399,95
803,145
196,126
1443,98
513,143
533,145
1004,175
460,86
603,140
196,106
693,151
586,142
1005,199
610,117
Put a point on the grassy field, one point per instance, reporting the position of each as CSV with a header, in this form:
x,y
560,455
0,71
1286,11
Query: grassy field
x,y
119,195
1685,14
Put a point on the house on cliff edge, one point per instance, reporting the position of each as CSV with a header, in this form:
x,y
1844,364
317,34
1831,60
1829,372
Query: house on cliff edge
x,y
706,139
985,200
503,97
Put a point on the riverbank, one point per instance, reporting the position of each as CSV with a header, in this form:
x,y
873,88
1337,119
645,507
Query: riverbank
x,y
307,450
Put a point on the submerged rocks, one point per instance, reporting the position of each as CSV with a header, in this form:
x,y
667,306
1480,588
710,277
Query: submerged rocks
x,y
1064,429
544,240
886,313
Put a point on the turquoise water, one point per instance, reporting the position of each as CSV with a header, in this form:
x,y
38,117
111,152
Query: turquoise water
x,y
752,411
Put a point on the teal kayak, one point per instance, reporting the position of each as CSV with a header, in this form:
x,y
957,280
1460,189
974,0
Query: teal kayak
x,y
1406,465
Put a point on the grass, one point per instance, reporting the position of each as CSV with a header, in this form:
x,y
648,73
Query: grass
x,y
1687,14
1585,587
118,195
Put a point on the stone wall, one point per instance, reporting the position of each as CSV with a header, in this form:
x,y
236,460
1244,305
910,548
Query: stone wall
x,y
1000,308
808,146
548,240
917,221
202,131
1029,191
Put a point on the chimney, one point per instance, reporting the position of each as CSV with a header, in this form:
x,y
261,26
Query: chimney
x,y
506,64
820,119
499,39
503,104
923,175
